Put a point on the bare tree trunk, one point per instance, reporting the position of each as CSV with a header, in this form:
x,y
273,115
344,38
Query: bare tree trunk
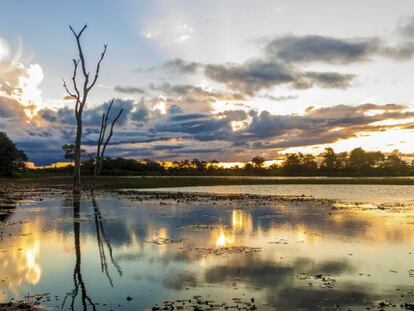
x,y
77,172
81,96
100,150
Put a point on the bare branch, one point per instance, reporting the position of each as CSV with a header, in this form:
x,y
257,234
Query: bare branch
x,y
66,88
81,57
77,35
75,68
111,132
98,68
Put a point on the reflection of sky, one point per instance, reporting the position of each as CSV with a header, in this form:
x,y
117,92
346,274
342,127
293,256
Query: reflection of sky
x,y
366,252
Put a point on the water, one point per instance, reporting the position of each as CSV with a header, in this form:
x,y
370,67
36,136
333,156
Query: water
x,y
376,194
124,253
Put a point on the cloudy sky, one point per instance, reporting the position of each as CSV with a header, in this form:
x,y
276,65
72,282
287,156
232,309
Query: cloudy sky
x,y
216,79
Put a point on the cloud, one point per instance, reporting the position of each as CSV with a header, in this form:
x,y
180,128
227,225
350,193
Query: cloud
x,y
168,32
327,80
406,27
256,75
129,90
321,126
10,108
144,132
312,48
315,48
251,76
141,112
181,66
194,98
4,49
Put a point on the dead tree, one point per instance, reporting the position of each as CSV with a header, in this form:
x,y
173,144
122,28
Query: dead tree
x,y
80,94
104,141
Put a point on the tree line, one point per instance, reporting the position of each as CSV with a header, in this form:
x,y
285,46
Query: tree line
x,y
357,162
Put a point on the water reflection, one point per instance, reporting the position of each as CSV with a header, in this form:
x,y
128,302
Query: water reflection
x,y
308,255
79,286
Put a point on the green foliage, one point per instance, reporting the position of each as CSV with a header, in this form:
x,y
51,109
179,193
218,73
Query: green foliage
x,y
11,158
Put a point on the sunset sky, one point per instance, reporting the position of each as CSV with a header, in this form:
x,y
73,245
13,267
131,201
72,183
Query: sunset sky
x,y
216,79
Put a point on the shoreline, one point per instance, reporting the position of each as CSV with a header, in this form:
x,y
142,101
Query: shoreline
x,y
143,182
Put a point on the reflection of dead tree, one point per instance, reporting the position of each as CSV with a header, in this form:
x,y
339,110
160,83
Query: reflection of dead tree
x,y
101,238
80,95
102,141
77,273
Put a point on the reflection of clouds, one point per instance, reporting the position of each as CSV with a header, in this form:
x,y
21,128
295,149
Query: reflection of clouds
x,y
320,298
20,263
260,272
179,280
320,230
283,289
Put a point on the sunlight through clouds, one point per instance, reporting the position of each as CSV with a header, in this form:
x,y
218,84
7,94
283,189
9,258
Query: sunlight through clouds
x,y
4,49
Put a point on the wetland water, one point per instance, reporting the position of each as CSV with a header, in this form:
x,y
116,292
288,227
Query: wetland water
x,y
135,251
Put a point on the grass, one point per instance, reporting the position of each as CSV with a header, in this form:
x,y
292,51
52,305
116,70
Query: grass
x,y
114,182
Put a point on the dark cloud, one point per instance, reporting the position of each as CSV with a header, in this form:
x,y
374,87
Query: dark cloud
x,y
322,125
181,66
251,76
129,90
11,109
91,117
140,112
179,134
315,48
319,48
406,27
329,80
255,75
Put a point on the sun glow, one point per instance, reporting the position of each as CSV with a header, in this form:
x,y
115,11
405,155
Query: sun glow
x,y
4,49
31,94
22,262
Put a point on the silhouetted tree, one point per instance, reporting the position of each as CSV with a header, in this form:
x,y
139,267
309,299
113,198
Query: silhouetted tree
x,y
308,164
394,165
258,162
11,158
361,162
69,152
80,95
292,164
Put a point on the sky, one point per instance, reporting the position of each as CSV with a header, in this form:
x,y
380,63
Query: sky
x,y
217,79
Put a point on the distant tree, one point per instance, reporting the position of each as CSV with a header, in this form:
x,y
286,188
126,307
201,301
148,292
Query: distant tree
x,y
69,152
362,162
199,165
308,164
248,167
292,164
11,158
258,162
330,161
213,164
394,165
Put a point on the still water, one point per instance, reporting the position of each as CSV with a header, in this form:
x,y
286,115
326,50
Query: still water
x,y
374,194
135,252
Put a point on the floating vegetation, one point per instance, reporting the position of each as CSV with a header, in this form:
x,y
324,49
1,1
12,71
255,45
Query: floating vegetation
x,y
230,250
198,303
165,241
205,227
